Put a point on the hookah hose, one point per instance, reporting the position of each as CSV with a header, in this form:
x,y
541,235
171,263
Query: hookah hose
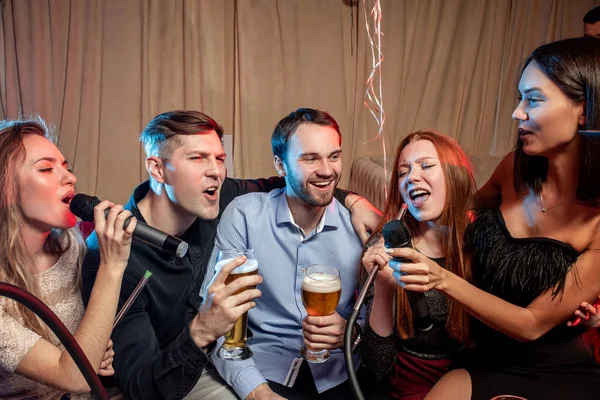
x,y
61,332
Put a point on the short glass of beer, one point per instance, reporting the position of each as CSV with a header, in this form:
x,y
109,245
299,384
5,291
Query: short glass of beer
x,y
235,347
321,292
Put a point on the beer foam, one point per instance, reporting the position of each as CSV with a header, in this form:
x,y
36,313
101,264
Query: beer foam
x,y
321,283
248,266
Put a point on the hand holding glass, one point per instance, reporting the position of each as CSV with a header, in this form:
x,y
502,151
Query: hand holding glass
x,y
235,347
321,292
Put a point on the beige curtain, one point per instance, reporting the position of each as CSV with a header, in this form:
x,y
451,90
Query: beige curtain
x,y
101,69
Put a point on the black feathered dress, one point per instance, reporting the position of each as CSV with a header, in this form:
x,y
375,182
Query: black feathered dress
x,y
560,364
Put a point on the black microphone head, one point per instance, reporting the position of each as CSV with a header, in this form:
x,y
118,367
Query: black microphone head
x,y
82,205
396,234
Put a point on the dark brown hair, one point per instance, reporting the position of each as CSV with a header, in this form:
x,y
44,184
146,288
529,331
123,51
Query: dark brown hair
x,y
290,123
160,135
573,65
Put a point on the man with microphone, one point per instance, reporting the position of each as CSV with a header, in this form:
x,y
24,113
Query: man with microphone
x,y
163,343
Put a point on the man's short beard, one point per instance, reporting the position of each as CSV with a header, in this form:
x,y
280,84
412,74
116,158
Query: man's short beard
x,y
301,190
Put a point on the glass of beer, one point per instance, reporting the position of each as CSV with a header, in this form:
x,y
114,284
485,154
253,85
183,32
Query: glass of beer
x,y
321,292
235,347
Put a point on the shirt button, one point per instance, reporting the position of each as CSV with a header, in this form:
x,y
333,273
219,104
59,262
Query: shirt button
x,y
302,270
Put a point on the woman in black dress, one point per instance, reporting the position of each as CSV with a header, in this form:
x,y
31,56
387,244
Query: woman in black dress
x,y
535,248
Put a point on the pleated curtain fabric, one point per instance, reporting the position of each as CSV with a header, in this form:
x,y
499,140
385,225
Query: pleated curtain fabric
x,y
101,69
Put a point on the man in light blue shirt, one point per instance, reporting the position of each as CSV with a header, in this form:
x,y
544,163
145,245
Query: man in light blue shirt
x,y
289,230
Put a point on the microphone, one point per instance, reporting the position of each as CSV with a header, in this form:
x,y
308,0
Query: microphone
x,y
396,235
82,205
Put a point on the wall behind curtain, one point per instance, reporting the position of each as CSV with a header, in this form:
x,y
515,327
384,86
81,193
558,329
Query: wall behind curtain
x,y
101,69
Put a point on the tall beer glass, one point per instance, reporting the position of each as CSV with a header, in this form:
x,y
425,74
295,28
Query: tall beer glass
x,y
321,292
235,347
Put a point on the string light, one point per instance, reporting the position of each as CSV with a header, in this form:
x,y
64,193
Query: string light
x,y
373,98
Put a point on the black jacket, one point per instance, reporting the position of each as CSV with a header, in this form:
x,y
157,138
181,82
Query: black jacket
x,y
155,356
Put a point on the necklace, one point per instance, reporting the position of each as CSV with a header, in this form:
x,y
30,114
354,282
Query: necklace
x,y
544,209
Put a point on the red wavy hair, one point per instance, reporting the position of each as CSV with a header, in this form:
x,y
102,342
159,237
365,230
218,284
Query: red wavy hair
x,y
460,191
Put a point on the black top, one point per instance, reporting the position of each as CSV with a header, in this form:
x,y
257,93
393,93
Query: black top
x,y
517,270
155,356
560,364
378,353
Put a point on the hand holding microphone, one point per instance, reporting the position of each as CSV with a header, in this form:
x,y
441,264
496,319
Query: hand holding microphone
x,y
397,242
418,272
375,258
114,239
84,207
397,238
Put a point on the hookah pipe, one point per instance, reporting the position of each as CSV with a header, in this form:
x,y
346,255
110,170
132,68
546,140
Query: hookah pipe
x,y
399,237
61,332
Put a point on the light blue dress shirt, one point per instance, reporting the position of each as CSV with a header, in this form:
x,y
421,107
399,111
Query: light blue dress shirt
x,y
263,222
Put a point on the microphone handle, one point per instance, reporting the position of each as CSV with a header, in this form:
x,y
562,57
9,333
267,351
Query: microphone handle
x,y
153,237
418,304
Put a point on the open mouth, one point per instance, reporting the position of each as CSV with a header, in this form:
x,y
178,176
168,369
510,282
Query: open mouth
x,y
67,199
211,192
322,185
419,196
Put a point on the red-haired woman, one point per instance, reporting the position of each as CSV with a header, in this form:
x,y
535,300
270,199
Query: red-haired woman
x,y
432,176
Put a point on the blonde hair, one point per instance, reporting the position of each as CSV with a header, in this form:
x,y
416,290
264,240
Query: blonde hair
x,y
16,264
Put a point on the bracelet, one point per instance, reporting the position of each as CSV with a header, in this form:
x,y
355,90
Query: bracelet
x,y
354,202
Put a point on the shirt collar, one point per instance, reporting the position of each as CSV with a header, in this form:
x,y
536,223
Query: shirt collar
x,y
138,194
192,235
283,214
